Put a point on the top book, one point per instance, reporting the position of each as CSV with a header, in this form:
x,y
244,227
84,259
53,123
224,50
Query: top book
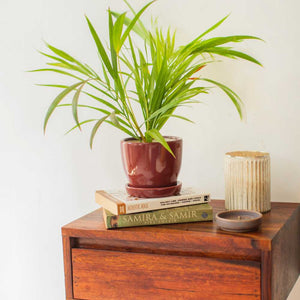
x,y
120,203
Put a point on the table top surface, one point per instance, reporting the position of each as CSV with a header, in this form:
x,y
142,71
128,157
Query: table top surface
x,y
92,226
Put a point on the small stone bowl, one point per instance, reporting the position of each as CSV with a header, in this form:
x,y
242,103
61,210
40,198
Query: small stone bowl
x,y
239,220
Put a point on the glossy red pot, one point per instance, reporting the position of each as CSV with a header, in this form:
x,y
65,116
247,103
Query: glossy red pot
x,y
150,165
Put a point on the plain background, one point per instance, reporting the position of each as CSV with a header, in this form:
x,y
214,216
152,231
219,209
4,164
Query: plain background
x,y
47,181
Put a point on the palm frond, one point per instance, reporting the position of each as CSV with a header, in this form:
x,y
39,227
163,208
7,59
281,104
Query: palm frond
x,y
152,81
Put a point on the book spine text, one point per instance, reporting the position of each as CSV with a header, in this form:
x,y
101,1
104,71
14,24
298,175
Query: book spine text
x,y
163,203
186,214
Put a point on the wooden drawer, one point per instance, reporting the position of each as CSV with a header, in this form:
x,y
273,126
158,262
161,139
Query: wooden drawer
x,y
183,261
100,274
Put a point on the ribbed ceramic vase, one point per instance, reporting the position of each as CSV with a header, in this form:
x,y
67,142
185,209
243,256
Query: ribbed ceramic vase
x,y
247,180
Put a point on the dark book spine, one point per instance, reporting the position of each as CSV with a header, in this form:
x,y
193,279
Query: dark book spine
x,y
185,214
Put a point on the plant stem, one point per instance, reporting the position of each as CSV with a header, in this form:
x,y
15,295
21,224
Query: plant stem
x,y
129,105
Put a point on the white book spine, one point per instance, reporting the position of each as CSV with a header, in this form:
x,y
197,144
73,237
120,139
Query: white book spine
x,y
161,203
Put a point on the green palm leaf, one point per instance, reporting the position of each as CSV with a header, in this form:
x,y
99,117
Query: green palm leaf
x,y
133,22
212,28
75,104
81,123
57,100
232,54
86,106
139,89
56,71
117,32
68,57
155,134
95,129
213,42
100,47
231,94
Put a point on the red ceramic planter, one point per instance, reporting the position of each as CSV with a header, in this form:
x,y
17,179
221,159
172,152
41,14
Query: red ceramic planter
x,y
150,166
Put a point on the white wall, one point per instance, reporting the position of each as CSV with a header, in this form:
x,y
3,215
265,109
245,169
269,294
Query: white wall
x,y
47,181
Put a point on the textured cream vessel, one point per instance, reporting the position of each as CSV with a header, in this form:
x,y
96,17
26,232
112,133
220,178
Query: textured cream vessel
x,y
247,180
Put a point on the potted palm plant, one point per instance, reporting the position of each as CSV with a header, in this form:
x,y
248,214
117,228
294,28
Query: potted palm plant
x,y
152,81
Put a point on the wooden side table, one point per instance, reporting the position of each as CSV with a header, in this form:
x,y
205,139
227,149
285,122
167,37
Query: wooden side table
x,y
183,261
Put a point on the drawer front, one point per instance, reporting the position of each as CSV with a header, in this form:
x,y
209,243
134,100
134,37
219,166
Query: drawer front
x,y
118,275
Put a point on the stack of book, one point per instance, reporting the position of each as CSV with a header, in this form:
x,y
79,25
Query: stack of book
x,y
122,210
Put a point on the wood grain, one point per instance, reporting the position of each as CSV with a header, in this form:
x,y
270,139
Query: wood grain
x,y
286,258
67,246
120,275
272,251
92,226
196,247
266,275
